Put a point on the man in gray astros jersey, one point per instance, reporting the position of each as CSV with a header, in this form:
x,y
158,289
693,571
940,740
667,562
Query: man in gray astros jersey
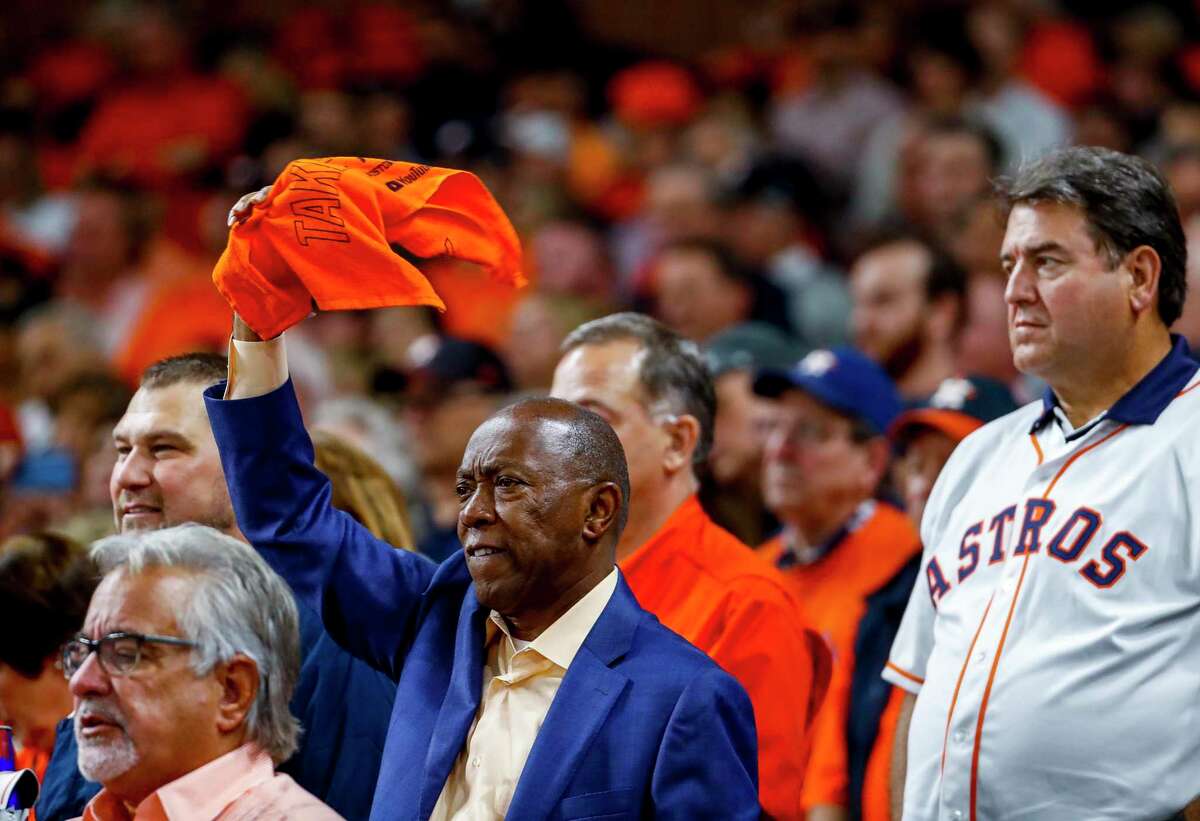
x,y
1051,644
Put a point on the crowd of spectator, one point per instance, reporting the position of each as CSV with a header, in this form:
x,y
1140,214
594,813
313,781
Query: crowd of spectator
x,y
779,176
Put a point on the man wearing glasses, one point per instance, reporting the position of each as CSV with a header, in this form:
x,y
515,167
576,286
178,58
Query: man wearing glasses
x,y
181,679
847,556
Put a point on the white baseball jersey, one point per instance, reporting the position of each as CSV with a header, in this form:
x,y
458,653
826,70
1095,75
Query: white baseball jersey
x,y
1053,638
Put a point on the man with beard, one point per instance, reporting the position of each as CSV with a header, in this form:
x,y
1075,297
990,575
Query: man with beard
x,y
168,472
909,305
181,680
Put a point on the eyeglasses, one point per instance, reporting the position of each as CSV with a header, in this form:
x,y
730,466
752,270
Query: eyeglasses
x,y
119,652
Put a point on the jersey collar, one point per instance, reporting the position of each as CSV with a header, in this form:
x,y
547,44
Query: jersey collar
x,y
1146,400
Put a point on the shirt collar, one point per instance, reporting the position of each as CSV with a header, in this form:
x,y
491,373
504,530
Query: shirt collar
x,y
1146,400
202,793
560,642
812,554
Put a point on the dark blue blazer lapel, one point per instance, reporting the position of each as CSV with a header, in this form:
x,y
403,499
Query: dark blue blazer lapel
x,y
460,704
587,695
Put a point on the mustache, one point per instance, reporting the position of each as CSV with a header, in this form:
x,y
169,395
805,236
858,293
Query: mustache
x,y
94,708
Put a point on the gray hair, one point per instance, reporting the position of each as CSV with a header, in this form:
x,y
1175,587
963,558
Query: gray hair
x,y
672,371
239,606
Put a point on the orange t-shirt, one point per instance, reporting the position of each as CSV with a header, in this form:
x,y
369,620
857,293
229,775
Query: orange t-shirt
x,y
704,584
832,593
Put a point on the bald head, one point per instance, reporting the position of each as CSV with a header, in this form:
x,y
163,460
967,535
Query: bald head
x,y
590,447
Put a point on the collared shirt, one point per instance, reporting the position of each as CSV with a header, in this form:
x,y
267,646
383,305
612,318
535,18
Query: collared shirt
x,y
708,587
520,680
1055,625
241,785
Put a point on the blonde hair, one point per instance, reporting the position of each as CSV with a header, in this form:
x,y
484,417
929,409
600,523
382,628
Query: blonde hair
x,y
362,488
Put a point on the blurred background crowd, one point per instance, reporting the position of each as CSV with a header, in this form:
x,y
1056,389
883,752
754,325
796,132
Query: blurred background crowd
x,y
764,177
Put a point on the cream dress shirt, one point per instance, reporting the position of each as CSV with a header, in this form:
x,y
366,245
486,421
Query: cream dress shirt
x,y
519,682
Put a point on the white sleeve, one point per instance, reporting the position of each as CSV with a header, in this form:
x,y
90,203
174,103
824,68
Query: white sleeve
x,y
256,368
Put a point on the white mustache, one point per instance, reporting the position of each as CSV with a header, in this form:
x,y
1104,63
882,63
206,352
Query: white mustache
x,y
91,708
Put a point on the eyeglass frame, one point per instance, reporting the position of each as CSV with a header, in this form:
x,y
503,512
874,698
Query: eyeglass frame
x,y
94,646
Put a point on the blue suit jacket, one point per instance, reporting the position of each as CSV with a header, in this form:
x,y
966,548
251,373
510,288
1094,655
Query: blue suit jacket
x,y
643,723
343,706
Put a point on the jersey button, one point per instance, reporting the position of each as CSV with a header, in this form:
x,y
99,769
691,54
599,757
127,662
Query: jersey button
x,y
957,814
960,736
980,656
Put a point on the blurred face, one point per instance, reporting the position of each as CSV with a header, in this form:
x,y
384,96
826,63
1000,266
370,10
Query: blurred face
x,y
924,457
49,358
522,509
445,426
954,169
139,731
679,204
983,346
812,463
100,246
604,379
1067,306
33,706
168,471
742,417
531,349
887,288
695,297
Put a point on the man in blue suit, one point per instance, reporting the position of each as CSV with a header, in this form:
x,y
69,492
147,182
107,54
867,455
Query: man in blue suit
x,y
530,684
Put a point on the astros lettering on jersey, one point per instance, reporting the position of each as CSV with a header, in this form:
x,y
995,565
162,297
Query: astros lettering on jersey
x,y
1053,636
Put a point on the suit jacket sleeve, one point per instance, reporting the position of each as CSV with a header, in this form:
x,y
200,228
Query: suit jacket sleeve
x,y
368,593
709,741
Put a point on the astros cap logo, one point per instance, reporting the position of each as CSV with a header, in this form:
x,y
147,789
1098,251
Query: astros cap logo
x,y
818,363
952,394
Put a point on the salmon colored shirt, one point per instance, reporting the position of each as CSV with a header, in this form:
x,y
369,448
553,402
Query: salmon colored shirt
x,y
241,785
832,591
704,584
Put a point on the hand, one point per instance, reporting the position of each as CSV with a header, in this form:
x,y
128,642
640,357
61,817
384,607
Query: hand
x,y
241,208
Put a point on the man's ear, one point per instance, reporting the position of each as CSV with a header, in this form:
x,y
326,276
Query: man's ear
x,y
238,678
683,433
603,508
1145,269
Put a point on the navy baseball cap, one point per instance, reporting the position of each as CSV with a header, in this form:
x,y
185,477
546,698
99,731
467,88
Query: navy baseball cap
x,y
960,405
843,378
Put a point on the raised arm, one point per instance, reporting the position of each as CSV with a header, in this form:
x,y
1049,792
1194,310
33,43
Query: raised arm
x,y
368,593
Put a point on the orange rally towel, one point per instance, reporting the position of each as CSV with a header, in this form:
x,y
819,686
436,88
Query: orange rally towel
x,y
325,230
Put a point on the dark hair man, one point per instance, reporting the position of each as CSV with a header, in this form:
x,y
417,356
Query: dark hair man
x,y
653,387
168,473
530,683
1059,570
909,303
